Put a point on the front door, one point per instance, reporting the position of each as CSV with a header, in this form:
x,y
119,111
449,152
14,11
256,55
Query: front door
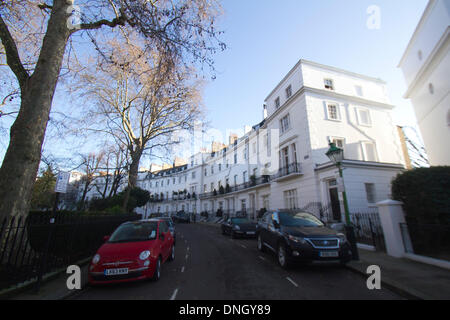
x,y
334,200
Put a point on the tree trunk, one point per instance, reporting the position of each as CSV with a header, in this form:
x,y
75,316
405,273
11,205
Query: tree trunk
x,y
132,177
21,162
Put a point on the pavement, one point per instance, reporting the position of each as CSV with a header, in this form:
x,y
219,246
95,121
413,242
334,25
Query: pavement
x,y
210,266
411,279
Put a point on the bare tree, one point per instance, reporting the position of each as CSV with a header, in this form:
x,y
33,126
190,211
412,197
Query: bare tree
x,y
34,43
143,103
90,168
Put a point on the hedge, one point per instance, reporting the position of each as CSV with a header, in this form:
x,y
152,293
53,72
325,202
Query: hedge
x,y
425,193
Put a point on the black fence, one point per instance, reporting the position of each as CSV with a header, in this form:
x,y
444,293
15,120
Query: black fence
x,y
432,240
38,244
368,229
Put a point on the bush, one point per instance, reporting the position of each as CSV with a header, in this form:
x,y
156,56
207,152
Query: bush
x,y
425,193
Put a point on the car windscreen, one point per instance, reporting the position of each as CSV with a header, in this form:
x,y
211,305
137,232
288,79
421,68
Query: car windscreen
x,y
135,232
300,219
240,220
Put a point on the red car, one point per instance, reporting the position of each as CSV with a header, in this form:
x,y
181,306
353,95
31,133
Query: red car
x,y
135,251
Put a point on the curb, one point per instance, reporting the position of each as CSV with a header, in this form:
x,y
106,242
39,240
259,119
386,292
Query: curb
x,y
392,285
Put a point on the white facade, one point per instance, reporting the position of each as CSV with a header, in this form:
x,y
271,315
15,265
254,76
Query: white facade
x,y
281,162
426,67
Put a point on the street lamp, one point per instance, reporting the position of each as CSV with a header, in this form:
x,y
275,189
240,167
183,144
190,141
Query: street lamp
x,y
336,155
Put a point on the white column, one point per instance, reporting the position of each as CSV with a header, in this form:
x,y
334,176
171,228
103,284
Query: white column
x,y
391,215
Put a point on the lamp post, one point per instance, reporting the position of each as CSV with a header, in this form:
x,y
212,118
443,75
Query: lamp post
x,y
336,155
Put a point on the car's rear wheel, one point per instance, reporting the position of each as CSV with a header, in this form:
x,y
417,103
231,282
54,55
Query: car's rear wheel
x,y
157,274
172,253
261,244
282,256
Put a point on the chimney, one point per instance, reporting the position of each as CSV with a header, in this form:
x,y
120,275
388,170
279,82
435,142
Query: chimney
x,y
247,129
264,111
233,137
217,146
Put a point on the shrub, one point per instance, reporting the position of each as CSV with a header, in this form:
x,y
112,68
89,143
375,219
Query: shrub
x,y
425,193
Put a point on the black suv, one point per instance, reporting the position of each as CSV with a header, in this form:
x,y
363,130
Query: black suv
x,y
301,237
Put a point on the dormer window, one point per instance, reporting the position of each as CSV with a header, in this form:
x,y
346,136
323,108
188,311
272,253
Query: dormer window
x,y
329,84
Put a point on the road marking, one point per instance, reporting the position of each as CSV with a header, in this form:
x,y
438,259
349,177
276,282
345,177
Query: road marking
x,y
243,246
174,295
292,281
187,256
182,269
262,258
188,249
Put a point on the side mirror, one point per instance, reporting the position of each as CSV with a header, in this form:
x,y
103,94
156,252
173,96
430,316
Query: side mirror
x,y
106,238
276,220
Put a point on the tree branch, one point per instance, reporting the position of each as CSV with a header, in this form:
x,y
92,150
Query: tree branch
x,y
12,54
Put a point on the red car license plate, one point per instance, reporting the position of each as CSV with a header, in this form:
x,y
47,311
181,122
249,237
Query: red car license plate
x,y
116,272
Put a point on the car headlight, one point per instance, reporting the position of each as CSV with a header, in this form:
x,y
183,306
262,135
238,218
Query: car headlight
x,y
297,239
236,227
96,259
144,255
342,237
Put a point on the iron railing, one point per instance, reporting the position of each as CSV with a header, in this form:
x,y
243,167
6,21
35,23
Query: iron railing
x,y
368,229
38,244
292,168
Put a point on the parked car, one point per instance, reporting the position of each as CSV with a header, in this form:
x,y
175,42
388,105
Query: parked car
x,y
239,227
135,251
171,227
301,237
182,217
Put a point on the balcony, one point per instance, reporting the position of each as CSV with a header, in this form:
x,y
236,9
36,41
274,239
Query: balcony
x,y
254,182
291,171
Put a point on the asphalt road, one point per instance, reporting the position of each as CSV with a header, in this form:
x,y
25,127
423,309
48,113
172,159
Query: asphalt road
x,y
209,266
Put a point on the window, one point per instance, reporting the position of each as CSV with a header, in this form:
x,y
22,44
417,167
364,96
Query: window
x,y
212,169
288,92
212,186
235,158
364,117
285,124
359,90
193,174
220,167
290,199
235,180
333,112
205,188
206,172
254,148
339,142
370,193
277,103
294,153
370,152
328,84
244,176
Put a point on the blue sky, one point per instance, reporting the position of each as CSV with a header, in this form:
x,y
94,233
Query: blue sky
x,y
266,38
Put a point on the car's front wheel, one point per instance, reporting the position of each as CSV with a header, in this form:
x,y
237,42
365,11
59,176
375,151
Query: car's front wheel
x,y
282,256
172,253
157,274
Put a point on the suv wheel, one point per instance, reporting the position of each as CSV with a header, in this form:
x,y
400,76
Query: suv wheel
x,y
282,256
260,244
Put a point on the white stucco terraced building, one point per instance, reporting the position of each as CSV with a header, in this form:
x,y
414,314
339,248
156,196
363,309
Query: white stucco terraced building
x,y
281,162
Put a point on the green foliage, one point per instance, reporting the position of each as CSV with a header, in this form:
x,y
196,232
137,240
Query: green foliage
x,y
425,193
43,197
138,198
